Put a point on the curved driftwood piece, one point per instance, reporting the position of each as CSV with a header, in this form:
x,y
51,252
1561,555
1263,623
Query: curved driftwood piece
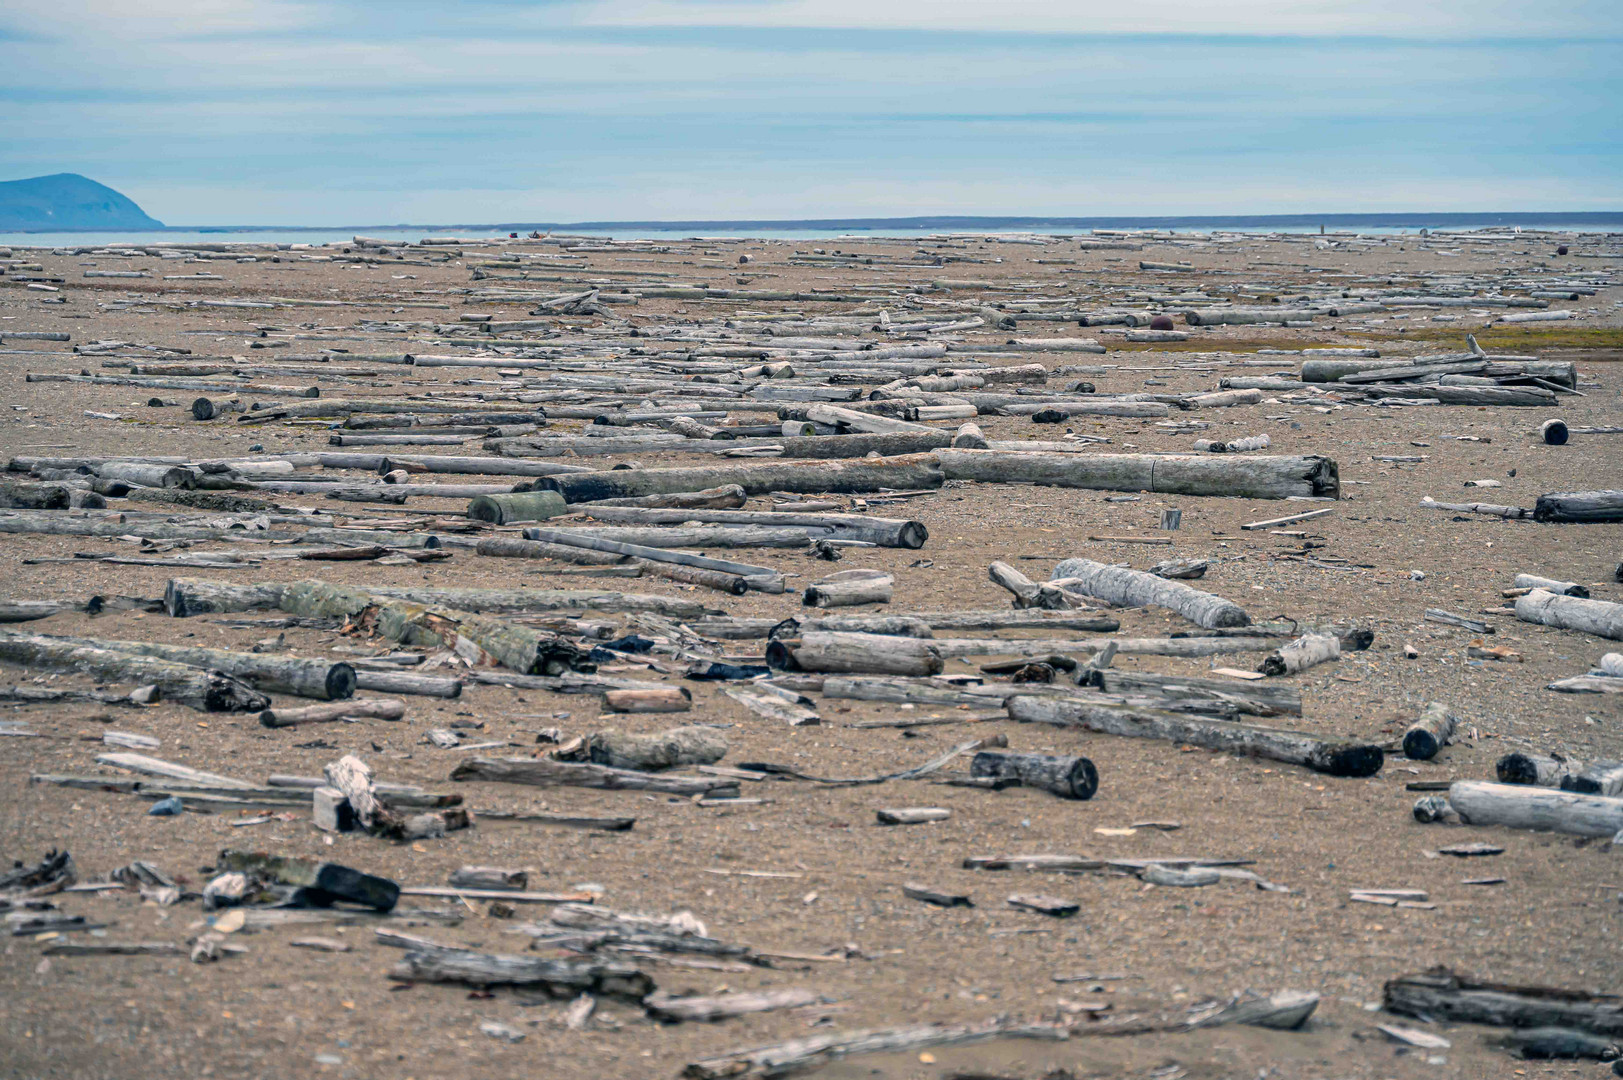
x,y
1579,506
519,506
1134,588
907,473
1307,651
1551,585
1571,613
655,751
561,978
1429,734
1069,777
1028,593
322,680
1251,477
850,588
544,772
211,691
1441,994
373,708
1519,806
1534,769
877,654
886,532
1333,756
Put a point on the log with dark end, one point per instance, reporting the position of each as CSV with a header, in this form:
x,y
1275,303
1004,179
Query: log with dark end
x,y
1066,776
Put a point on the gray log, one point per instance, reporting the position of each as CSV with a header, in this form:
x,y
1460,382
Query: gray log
x,y
1307,651
1069,777
375,708
211,691
1429,734
656,751
400,682
1534,769
859,653
1134,588
726,497
196,596
1250,698
887,532
1579,506
522,506
1550,585
1335,757
321,680
1254,477
849,590
562,978
24,495
652,554
909,472
1571,613
1522,807
1440,994
1596,778
543,772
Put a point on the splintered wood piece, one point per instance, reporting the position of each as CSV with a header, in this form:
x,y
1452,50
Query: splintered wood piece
x,y
1044,905
914,891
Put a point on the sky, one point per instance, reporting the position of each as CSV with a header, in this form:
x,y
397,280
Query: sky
x,y
333,112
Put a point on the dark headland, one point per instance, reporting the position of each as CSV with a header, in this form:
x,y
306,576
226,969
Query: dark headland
x,y
68,201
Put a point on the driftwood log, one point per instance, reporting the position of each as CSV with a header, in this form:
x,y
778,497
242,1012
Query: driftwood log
x,y
321,680
886,532
1441,994
1335,757
1307,651
1571,613
357,708
849,588
655,751
543,772
211,691
1134,588
1522,807
1534,769
1069,777
1579,506
907,472
878,654
1259,477
1429,734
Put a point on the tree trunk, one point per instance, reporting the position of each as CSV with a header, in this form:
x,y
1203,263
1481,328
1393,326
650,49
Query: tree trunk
x,y
860,587
716,536
1521,807
1576,506
640,551
476,466
863,653
1550,585
1526,396
1253,698
211,691
1335,757
909,472
1596,778
1307,651
1070,777
560,978
24,495
1440,994
1134,588
887,532
321,680
1534,769
522,506
544,772
1259,477
374,708
400,682
726,497
1570,613
196,596
665,700
1429,734
656,751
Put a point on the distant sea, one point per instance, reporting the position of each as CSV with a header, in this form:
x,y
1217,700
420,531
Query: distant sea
x,y
833,228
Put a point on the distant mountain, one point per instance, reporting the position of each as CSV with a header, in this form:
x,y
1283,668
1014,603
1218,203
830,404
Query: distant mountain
x,y
67,201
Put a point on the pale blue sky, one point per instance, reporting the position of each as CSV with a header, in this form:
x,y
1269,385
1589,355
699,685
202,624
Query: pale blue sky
x,y
320,112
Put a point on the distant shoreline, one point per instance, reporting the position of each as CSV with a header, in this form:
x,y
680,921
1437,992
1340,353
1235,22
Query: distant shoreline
x,y
950,223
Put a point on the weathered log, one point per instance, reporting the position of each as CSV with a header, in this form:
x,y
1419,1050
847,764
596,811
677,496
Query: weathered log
x,y
1596,778
1441,994
1522,807
1258,477
25,495
1550,585
403,682
1070,777
1429,734
320,883
664,700
1571,613
489,877
522,506
1335,757
1555,1043
887,532
1553,432
321,680
143,475
671,1010
909,472
862,653
1253,698
1477,508
850,588
1307,651
1579,506
762,578
1028,593
374,708
1534,769
657,751
197,596
814,1052
561,978
211,691
726,497
544,772
665,537
1134,588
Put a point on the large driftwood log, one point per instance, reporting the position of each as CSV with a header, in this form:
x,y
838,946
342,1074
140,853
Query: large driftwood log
x,y
1521,807
1070,777
1596,778
1251,698
887,532
850,588
212,691
922,624
1335,757
322,680
544,772
863,653
1440,994
726,497
1134,588
1551,585
1579,506
196,596
1258,477
520,506
1571,613
24,495
1534,769
908,472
